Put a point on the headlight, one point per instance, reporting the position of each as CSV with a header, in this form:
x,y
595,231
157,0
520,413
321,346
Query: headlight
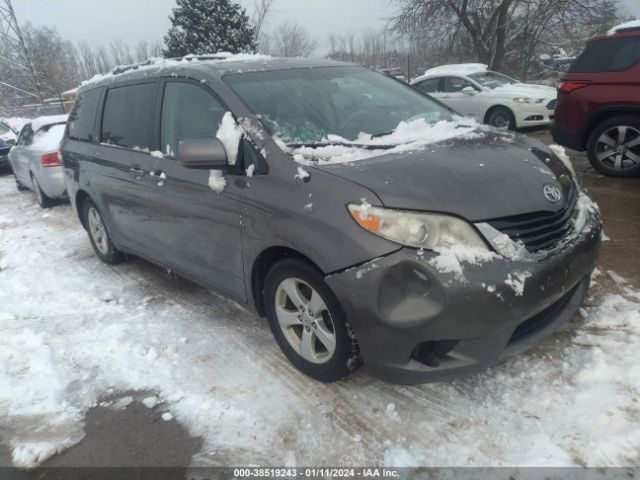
x,y
415,229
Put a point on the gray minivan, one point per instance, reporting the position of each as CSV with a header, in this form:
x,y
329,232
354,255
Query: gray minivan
x,y
365,220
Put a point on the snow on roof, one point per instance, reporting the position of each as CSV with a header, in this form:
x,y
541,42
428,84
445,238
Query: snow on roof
x,y
624,26
457,69
38,123
159,63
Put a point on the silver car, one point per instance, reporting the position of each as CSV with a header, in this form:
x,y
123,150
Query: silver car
x,y
36,160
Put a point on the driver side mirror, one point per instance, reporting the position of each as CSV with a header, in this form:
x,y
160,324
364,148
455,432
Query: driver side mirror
x,y
202,153
469,90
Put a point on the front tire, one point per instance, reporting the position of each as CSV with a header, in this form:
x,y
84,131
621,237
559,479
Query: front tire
x,y
308,322
98,234
501,117
614,147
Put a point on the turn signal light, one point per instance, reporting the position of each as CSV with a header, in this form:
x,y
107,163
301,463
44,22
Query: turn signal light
x,y
51,160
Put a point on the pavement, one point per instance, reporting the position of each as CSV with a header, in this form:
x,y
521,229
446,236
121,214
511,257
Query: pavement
x,y
136,437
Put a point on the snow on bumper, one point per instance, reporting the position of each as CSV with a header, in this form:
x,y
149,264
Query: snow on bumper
x,y
416,323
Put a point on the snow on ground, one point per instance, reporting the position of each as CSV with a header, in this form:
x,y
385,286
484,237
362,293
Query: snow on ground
x,y
75,332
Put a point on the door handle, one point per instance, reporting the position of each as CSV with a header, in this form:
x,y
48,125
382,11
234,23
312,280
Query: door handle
x,y
159,177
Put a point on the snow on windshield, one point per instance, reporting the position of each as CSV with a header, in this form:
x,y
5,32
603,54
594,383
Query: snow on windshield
x,y
412,135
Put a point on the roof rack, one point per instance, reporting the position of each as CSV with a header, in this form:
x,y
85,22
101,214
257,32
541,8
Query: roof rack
x,y
158,60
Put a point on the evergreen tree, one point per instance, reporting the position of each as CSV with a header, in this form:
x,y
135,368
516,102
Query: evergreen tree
x,y
208,26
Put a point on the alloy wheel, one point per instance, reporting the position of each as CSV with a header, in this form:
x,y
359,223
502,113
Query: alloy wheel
x,y
305,320
500,119
98,231
619,147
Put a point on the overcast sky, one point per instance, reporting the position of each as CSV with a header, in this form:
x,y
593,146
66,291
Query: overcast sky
x,y
135,20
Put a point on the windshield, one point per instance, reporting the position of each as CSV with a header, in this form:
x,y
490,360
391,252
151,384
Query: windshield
x,y
4,129
306,106
492,79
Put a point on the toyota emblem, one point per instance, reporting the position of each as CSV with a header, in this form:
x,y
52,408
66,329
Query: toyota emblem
x,y
553,193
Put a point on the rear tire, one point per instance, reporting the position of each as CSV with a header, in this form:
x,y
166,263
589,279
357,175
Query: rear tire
x,y
501,117
320,344
43,200
614,147
99,235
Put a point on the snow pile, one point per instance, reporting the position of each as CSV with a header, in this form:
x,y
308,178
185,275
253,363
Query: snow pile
x,y
561,153
302,174
451,260
408,136
631,24
457,69
217,181
49,140
586,207
516,281
230,134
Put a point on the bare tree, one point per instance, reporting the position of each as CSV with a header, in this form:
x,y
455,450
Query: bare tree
x,y
289,40
54,60
491,30
261,9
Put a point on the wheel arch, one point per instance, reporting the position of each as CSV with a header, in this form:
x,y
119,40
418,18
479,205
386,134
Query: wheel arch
x,y
263,263
602,115
80,197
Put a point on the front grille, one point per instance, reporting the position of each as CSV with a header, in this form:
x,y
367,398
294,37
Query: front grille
x,y
552,104
540,230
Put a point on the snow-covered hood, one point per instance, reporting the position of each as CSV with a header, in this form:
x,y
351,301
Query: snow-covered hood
x,y
477,177
525,90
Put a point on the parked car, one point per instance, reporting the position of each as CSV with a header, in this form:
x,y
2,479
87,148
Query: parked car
x,y
36,162
599,103
490,97
7,140
421,260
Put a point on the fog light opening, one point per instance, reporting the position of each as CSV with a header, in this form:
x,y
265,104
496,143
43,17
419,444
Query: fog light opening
x,y
433,353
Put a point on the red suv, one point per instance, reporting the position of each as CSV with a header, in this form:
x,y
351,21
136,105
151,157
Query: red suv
x,y
598,107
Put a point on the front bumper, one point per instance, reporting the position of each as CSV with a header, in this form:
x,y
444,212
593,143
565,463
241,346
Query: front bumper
x,y
416,325
533,115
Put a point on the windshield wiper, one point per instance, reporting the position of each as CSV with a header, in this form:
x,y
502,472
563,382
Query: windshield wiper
x,y
340,144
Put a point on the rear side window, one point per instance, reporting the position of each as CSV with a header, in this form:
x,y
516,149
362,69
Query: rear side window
x,y
188,111
429,86
615,55
128,116
26,136
83,116
455,84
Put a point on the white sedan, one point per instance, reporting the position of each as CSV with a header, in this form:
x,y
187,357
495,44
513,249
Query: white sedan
x,y
36,161
492,98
